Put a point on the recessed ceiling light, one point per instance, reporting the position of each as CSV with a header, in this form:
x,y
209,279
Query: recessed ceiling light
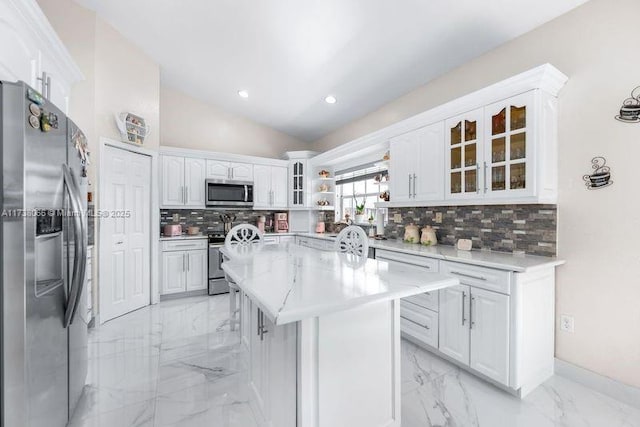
x,y
330,99
243,94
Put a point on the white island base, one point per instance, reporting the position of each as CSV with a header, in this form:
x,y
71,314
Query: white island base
x,y
344,366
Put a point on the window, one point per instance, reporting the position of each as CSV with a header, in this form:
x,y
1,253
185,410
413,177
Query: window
x,y
360,186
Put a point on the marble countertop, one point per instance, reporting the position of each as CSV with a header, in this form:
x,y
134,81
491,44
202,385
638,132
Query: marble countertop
x,y
498,260
184,237
291,283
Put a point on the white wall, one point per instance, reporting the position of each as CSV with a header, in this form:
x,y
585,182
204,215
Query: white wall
x,y
191,123
598,230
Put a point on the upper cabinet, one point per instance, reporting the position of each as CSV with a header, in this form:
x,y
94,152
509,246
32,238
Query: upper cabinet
x,y
217,169
416,164
464,158
34,54
298,184
182,183
491,151
270,187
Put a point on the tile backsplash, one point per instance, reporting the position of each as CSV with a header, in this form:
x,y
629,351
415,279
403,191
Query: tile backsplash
x,y
209,219
530,229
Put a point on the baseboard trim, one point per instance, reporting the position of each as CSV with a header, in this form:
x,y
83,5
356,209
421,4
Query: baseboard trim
x,y
605,385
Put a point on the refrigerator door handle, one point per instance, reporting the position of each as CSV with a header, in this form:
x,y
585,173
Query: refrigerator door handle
x,y
80,249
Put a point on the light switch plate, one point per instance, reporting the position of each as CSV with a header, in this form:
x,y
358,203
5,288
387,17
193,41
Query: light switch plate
x,y
438,218
397,218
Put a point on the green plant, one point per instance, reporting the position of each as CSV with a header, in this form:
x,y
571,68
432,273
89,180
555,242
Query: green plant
x,y
360,208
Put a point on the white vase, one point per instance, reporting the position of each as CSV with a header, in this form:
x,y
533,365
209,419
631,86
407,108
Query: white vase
x,y
360,219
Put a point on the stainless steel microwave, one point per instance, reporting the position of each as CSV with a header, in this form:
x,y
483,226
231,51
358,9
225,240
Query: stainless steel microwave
x,y
226,193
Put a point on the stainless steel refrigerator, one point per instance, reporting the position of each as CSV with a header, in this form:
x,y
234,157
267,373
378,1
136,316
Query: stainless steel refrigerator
x,y
43,345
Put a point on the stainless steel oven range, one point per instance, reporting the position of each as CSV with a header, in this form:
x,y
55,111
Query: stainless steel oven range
x,y
217,282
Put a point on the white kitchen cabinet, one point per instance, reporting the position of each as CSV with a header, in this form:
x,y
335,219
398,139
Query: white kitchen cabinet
x,y
183,182
271,240
184,266
220,169
270,187
33,53
172,181
504,151
454,323
416,164
272,369
196,270
489,327
194,176
299,191
464,155
174,278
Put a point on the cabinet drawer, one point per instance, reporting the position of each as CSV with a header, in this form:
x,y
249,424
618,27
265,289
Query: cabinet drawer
x,y
419,323
271,240
184,245
427,300
315,243
480,277
433,265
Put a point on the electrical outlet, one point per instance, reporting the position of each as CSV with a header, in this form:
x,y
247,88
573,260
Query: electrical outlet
x,y
438,218
397,218
566,323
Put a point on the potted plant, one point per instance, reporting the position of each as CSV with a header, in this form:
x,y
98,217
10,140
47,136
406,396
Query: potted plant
x,y
360,212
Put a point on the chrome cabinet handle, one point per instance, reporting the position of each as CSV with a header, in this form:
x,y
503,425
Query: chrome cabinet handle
x,y
186,195
464,296
259,322
471,322
263,329
468,275
183,267
478,178
486,172
414,185
409,185
416,323
120,242
188,262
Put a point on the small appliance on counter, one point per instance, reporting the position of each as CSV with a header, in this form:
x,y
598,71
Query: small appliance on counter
x,y
172,230
281,222
227,220
320,225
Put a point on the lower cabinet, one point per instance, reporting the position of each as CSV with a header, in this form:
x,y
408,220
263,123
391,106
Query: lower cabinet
x,y
272,368
454,323
184,267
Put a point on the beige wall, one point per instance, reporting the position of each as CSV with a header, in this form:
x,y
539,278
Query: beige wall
x,y
126,80
598,230
190,123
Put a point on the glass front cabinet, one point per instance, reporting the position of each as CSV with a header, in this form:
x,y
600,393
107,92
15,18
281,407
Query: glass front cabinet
x,y
298,191
490,151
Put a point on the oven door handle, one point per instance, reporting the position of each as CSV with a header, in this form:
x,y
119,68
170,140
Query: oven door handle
x,y
246,193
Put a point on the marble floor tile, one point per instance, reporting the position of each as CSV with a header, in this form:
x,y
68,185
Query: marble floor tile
x,y
176,364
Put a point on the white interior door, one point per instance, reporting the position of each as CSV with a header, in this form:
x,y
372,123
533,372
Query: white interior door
x,y
126,233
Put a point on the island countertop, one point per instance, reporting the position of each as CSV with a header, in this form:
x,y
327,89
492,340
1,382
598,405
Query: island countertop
x,y
291,283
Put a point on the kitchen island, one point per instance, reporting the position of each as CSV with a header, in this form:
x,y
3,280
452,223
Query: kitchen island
x,y
323,334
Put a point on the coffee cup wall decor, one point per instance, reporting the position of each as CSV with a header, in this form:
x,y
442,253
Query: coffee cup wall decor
x,y
630,110
601,176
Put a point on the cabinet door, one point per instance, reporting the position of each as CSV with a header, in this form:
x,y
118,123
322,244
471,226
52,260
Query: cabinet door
x,y
464,178
279,187
454,323
258,363
429,175
281,387
489,317
245,319
261,186
242,171
196,270
19,60
172,181
59,90
173,272
218,170
297,185
509,152
402,167
194,176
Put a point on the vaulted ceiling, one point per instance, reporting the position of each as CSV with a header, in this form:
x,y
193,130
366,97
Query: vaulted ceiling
x,y
290,54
